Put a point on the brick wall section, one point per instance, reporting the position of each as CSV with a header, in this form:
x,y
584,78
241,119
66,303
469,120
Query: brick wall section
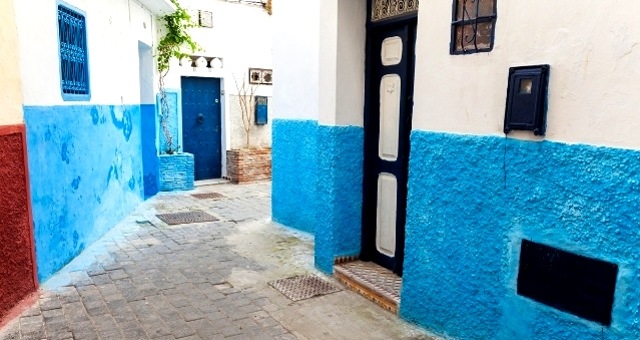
x,y
176,172
249,165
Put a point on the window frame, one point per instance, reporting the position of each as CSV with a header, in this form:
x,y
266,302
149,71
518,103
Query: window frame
x,y
73,96
455,23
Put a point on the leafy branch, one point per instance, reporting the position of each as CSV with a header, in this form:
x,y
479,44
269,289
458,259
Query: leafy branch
x,y
176,37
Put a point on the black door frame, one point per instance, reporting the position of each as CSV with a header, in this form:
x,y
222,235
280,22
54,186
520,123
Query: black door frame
x,y
369,201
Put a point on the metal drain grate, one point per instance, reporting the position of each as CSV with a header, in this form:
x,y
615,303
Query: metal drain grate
x,y
186,217
209,196
303,287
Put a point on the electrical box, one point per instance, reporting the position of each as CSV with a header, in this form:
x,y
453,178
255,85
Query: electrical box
x,y
262,115
527,99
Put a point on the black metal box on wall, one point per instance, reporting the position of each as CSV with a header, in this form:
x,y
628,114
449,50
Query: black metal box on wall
x,y
262,112
527,99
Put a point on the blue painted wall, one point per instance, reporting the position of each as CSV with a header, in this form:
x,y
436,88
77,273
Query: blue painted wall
x,y
295,173
339,194
85,175
174,125
317,185
176,172
149,151
473,199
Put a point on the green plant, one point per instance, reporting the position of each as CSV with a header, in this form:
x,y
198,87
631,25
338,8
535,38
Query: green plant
x,y
176,38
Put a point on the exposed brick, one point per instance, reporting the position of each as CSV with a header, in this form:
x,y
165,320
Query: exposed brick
x,y
249,165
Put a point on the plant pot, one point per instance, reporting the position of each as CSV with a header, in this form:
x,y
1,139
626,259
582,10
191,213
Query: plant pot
x,y
249,165
176,172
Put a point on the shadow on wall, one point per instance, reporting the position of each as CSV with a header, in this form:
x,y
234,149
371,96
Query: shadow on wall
x,y
86,175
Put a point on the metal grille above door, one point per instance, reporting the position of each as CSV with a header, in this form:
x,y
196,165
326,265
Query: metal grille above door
x,y
389,9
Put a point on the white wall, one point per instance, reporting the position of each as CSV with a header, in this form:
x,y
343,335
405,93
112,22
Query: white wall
x,y
351,51
594,52
114,28
10,84
296,59
342,61
241,36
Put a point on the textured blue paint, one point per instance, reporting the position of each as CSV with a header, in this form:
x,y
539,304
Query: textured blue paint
x,y
339,194
173,120
294,173
473,199
81,168
317,185
149,151
176,172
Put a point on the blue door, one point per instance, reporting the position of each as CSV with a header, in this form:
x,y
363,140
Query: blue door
x,y
201,132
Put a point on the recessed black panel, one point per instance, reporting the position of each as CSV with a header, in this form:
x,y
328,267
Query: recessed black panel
x,y
527,99
569,282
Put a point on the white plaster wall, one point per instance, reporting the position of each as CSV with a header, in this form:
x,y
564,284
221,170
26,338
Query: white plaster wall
x,y
594,52
260,134
10,84
296,59
328,77
350,51
114,28
342,60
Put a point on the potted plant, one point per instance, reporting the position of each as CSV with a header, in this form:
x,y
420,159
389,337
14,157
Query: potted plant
x,y
176,169
248,163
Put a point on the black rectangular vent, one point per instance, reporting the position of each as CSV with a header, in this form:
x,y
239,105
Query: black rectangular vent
x,y
569,282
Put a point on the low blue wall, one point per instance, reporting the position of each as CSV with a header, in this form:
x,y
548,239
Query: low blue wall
x,y
176,172
295,173
85,175
317,185
473,199
149,150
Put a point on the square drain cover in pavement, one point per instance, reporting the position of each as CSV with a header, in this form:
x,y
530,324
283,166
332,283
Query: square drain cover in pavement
x,y
303,287
209,196
186,217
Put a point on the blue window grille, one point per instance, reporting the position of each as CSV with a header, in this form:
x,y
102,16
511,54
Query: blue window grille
x,y
74,66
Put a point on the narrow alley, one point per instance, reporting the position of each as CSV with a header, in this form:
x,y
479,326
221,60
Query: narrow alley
x,y
147,279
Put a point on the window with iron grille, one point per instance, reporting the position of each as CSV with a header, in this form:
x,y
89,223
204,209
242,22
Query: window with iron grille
x,y
473,26
74,67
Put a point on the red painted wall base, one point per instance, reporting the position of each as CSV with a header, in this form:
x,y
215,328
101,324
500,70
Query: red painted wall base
x,y
18,276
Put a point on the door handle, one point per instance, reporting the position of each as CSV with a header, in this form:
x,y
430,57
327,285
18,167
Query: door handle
x,y
200,118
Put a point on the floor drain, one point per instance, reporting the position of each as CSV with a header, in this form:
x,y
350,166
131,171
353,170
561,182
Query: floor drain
x,y
303,287
186,217
209,196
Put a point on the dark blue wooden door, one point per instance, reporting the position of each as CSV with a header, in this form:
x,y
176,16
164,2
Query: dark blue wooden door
x,y
387,125
201,128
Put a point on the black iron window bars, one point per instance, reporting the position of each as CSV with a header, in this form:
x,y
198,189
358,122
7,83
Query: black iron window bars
x,y
473,26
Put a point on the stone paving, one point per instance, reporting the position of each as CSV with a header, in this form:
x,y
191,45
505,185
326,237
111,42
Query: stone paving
x,y
145,279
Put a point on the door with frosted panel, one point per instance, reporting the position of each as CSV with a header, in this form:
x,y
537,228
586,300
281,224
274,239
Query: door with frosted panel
x,y
389,104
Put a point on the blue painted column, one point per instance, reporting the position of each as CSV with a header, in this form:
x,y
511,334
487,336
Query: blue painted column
x,y
339,191
149,150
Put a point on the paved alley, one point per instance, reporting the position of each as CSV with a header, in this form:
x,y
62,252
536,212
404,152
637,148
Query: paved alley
x,y
147,279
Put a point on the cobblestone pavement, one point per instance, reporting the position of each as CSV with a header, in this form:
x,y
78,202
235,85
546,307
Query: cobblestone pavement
x,y
145,279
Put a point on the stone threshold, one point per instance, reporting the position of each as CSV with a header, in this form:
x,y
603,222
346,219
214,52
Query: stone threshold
x,y
368,279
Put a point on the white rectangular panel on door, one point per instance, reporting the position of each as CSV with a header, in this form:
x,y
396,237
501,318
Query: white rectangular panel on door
x,y
386,214
389,117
